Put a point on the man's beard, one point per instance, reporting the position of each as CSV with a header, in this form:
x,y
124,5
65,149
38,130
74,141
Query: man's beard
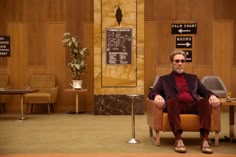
x,y
179,70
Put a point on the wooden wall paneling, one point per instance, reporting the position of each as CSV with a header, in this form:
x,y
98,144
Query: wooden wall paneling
x,y
56,59
78,13
223,50
88,78
14,10
34,10
2,19
150,10
3,61
182,9
3,70
36,39
35,70
163,69
74,17
17,60
202,10
55,10
233,84
79,9
188,67
203,70
150,54
164,41
87,9
3,13
224,10
202,15
202,52
162,9
234,45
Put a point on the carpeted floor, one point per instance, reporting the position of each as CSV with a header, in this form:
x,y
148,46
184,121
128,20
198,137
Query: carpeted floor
x,y
60,135
121,155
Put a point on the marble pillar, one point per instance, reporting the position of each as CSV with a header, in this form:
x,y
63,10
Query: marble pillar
x,y
118,69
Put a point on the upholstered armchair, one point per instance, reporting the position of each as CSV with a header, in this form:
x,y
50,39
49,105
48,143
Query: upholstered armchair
x,y
215,84
157,121
47,94
4,83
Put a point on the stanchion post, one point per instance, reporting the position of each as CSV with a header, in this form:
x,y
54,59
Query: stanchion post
x,y
133,140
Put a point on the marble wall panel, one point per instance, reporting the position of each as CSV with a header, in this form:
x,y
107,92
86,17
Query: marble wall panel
x,y
118,105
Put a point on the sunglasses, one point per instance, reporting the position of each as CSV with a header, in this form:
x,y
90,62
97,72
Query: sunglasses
x,y
179,60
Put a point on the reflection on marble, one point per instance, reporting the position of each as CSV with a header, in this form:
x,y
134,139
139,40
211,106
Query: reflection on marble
x,y
117,105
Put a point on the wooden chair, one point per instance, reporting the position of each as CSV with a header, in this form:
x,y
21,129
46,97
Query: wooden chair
x,y
158,121
48,91
4,83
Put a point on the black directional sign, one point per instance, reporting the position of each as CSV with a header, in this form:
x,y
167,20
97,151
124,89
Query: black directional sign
x,y
188,54
4,46
183,41
184,28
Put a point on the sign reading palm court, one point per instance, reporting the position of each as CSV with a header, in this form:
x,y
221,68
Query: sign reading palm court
x,y
118,46
4,45
184,28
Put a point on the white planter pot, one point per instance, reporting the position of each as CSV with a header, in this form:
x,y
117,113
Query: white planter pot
x,y
77,84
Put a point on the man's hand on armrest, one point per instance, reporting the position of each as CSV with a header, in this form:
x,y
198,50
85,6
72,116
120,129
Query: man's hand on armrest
x,y
214,101
159,100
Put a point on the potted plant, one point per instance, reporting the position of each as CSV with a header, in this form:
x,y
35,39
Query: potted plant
x,y
78,56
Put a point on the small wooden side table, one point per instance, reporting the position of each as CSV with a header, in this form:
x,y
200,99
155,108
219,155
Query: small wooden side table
x,y
21,92
231,105
76,91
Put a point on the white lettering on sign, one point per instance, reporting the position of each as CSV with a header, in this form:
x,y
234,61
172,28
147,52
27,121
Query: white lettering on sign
x,y
183,39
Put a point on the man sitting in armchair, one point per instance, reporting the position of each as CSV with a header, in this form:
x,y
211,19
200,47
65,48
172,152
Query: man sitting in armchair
x,y
179,93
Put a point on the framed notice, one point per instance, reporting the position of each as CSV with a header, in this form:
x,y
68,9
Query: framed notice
x,y
4,46
118,46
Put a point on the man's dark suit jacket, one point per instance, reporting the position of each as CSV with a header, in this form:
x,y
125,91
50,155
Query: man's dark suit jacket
x,y
166,87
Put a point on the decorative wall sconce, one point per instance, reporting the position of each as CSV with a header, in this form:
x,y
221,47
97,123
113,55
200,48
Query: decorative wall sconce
x,y
119,15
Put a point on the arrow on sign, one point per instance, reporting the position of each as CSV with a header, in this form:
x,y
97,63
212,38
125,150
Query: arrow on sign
x,y
187,44
183,30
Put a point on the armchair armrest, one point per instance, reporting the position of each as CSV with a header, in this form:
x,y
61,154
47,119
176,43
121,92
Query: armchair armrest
x,y
216,119
54,94
154,115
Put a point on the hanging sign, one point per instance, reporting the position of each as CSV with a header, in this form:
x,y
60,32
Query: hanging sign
x,y
118,46
4,46
183,41
184,28
188,54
